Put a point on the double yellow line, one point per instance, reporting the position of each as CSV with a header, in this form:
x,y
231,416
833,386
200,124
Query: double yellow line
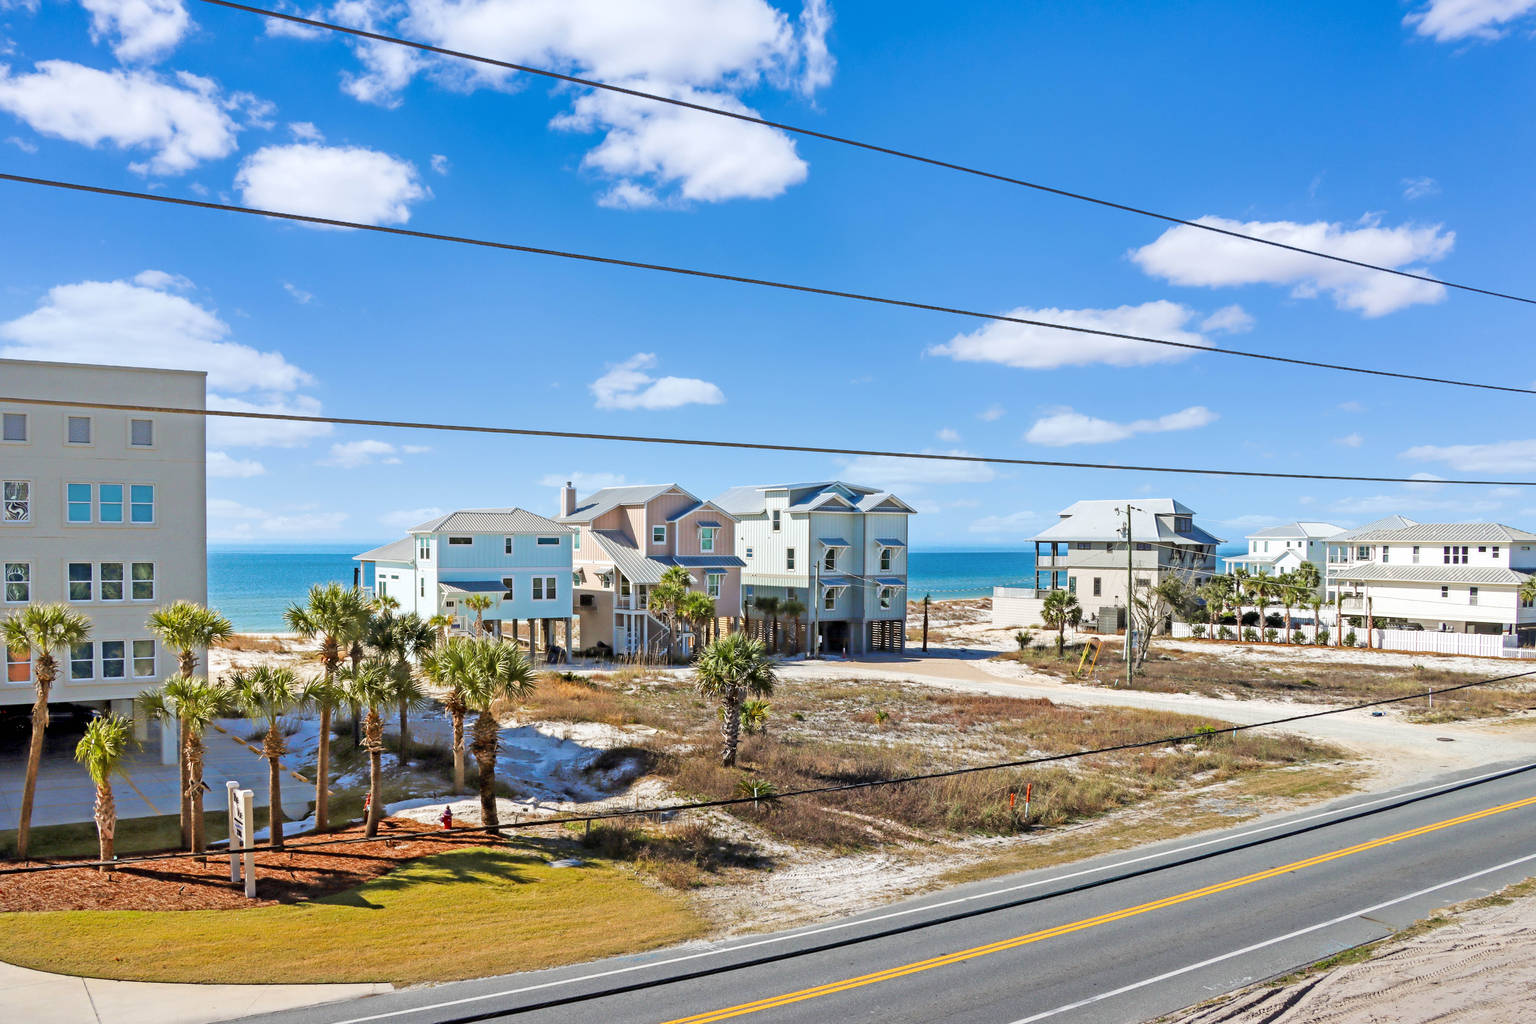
x,y
1090,922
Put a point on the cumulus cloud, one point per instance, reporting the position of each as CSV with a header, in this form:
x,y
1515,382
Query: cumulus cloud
x,y
298,294
1233,319
1066,427
949,434
626,385
231,520
1189,256
1448,21
367,452
1492,457
1350,440
1041,348
585,483
221,464
1022,521
305,131
1418,188
143,29
440,164
892,472
341,182
992,413
819,64
22,144
180,122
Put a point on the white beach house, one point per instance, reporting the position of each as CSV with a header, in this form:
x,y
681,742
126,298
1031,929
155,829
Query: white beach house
x,y
1278,550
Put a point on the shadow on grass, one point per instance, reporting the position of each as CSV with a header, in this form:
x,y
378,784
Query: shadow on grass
x,y
460,867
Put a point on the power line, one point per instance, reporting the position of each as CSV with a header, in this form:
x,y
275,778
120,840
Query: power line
x,y
705,108
805,289
700,805
700,442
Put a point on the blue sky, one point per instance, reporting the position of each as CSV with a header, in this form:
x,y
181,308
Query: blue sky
x,y
1395,133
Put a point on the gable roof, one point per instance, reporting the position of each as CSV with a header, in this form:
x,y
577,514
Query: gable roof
x,y
490,520
1302,530
696,507
1481,574
402,550
602,502
1442,533
1393,522
1100,519
809,497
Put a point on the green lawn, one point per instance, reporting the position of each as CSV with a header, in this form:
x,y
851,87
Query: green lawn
x,y
463,914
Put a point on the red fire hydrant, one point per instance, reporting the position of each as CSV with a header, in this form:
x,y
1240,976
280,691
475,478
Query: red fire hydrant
x,y
447,818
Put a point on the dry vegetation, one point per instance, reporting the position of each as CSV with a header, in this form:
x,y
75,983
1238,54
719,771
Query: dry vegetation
x,y
252,644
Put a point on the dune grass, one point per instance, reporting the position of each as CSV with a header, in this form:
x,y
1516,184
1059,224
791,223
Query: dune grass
x,y
465,914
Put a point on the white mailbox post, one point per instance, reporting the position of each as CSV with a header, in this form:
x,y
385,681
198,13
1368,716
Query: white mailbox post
x,y
241,817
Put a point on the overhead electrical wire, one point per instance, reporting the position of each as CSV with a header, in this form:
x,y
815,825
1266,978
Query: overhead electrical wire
x,y
742,279
736,115
703,442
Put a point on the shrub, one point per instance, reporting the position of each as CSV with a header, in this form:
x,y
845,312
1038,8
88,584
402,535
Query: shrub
x,y
1197,631
1271,634
1349,639
1298,637
1276,620
1023,638
1224,633
1250,618
754,716
1250,634
1322,636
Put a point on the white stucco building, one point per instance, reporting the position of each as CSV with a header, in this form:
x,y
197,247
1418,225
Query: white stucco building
x,y
105,511
1277,550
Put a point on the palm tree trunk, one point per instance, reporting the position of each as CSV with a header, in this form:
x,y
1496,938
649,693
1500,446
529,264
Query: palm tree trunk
x,y
730,725
375,736
195,787
485,756
323,771
34,763
458,751
106,821
181,778
405,743
275,802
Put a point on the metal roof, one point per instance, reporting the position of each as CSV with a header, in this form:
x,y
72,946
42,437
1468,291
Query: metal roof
x,y
1393,522
890,581
1304,530
403,550
835,542
473,586
491,520
627,558
1100,520
610,498
1489,574
805,497
1443,533
701,561
1263,559
891,542
836,581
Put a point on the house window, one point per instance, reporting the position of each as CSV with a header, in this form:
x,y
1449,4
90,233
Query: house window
x,y
14,427
885,597
423,586
548,541
1472,596
707,539
1362,554
382,587
143,659
1495,551
789,559
18,501
508,548
624,588
576,541
1482,549
1098,586
18,666
1415,554
109,503
1454,555
829,560
77,498
775,520
830,601
423,550
80,581
111,576
143,581
79,430
885,559
659,534
1072,584
141,433
712,581
1445,591
141,503
749,552
510,583
82,661
547,592
114,659
1148,547
1385,552
1143,583
460,540
18,582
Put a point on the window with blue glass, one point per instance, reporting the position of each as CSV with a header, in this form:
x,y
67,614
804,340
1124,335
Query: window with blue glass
x,y
142,503
78,502
109,503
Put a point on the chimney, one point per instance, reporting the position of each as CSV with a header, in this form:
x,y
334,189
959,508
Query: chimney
x,y
567,499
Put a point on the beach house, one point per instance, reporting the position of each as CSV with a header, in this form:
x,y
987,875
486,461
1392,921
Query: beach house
x,y
1450,577
625,539
519,561
104,511
1277,550
839,549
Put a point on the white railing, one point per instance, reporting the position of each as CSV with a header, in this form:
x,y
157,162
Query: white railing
x,y
1436,642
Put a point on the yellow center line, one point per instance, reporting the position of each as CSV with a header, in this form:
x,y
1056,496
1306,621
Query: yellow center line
x,y
1090,922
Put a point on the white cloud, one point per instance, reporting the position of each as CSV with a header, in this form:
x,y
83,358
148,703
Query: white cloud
x,y
368,452
305,131
1447,21
292,30
892,472
163,280
1492,457
1425,482
626,385
143,29
341,182
230,520
1351,406
440,164
818,62
585,483
1065,427
405,518
22,144
1418,188
1023,521
1233,319
1375,506
181,125
1040,348
992,414
230,432
220,464
1192,257
299,295
1350,440
949,434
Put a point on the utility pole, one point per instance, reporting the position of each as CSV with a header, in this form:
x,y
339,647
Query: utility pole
x,y
925,623
1130,599
815,605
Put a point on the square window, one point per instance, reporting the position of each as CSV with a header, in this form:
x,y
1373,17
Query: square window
x,y
1445,591
109,503
143,659
658,535
143,581
789,559
111,575
79,430
707,540
141,433
80,581
18,501
114,659
141,507
82,661
18,582
13,427
78,502
18,666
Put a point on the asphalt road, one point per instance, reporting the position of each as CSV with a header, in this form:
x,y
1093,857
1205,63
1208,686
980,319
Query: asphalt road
x,y
1116,939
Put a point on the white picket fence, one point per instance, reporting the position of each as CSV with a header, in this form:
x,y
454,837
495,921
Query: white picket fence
x,y
1423,641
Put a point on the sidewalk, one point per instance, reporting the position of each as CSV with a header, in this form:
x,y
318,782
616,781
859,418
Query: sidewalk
x,y
39,998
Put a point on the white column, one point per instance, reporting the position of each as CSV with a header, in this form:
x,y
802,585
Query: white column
x,y
169,730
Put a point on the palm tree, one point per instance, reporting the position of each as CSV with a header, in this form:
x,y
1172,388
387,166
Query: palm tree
x,y
501,673
40,629
478,603
1214,595
1287,587
400,640
1528,590
267,693
771,607
792,610
667,597
339,617
195,703
441,624
187,627
450,667
371,685
101,750
696,610
1057,611
730,670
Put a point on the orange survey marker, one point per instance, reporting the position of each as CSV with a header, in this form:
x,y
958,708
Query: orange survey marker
x,y
1092,647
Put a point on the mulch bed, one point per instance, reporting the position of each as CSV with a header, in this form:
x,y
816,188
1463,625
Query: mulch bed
x,y
290,876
